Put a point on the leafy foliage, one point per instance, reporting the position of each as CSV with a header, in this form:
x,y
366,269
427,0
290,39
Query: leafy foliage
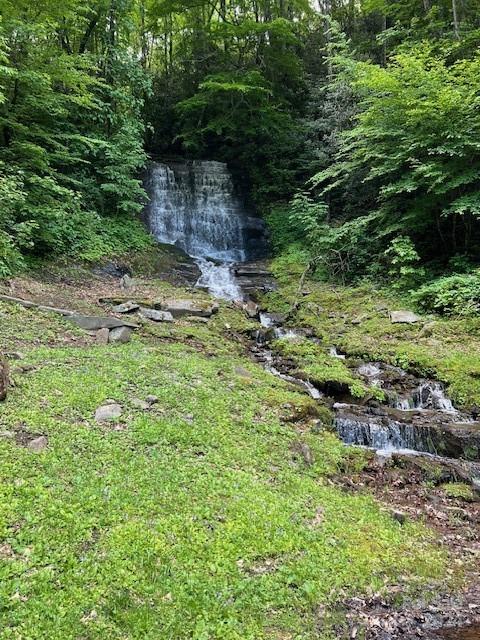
x,y
71,132
458,294
404,271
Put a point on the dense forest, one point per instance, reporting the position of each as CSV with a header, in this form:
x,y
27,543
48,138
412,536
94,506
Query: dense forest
x,y
354,128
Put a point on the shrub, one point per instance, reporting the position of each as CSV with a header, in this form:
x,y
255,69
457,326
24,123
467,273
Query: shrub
x,y
403,260
457,294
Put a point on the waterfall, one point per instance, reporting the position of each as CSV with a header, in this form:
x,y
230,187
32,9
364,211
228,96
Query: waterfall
x,y
384,434
193,205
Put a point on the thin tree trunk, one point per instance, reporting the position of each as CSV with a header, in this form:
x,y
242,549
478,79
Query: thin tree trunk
x,y
455,19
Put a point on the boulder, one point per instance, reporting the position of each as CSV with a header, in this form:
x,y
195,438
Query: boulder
x,y
93,323
37,445
187,307
251,309
156,315
102,336
126,282
108,412
126,307
138,403
120,335
404,317
427,330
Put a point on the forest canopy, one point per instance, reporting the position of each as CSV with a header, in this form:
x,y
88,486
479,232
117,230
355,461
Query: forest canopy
x,y
353,127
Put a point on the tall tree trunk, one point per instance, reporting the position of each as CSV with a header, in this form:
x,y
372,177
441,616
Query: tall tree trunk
x,y
455,19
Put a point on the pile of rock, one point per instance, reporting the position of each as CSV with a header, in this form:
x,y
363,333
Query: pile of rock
x,y
107,329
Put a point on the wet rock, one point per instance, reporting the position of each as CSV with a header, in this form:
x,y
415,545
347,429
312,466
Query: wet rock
x,y
93,323
156,315
37,445
108,412
272,319
102,335
404,317
187,307
252,270
251,309
126,307
263,336
4,379
120,335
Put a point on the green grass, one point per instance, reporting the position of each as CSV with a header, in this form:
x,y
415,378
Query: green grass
x,y
194,520
322,368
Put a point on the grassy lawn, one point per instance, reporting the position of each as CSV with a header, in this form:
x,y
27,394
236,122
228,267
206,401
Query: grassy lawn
x,y
197,519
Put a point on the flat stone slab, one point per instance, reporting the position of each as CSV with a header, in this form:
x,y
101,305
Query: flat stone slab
x,y
93,323
404,317
186,307
156,315
126,307
108,412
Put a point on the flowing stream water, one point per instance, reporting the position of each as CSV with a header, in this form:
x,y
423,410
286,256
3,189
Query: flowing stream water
x,y
193,205
416,416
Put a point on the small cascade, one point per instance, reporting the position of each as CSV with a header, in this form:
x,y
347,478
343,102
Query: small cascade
x,y
333,351
385,436
218,279
304,384
381,432
193,205
428,396
415,416
432,396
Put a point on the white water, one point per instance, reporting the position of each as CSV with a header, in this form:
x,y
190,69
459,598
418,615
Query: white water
x,y
428,396
193,206
218,279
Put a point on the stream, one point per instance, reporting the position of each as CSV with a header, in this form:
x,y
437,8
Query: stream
x,y
415,418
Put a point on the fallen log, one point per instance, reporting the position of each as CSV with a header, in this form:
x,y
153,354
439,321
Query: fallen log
x,y
29,304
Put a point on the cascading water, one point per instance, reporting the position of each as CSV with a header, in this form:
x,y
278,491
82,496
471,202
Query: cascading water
x,y
193,206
